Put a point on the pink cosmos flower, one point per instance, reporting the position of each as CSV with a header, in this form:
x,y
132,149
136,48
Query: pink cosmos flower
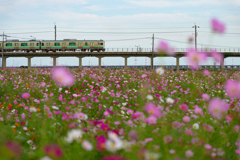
x,y
168,139
165,48
113,157
101,143
151,120
133,135
217,26
205,97
153,110
206,72
184,107
232,88
198,111
62,77
189,132
217,108
26,95
186,119
228,118
53,151
208,146
172,151
189,153
218,57
194,57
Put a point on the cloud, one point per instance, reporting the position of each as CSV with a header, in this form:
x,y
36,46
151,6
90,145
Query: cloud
x,y
165,3
96,7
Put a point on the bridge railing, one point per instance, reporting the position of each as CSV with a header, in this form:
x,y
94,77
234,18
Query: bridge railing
x,y
175,49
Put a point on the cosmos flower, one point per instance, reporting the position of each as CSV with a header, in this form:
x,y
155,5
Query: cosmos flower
x,y
54,151
189,153
217,26
195,57
232,88
160,71
218,57
26,95
163,47
87,145
217,108
73,135
62,77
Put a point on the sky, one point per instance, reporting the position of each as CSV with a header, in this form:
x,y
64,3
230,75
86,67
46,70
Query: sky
x,y
122,24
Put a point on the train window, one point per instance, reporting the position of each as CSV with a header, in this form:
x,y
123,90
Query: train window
x,y
101,43
8,44
72,44
37,44
42,44
31,44
86,44
0,44
24,44
57,44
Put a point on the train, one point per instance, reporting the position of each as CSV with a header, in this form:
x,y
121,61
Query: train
x,y
52,45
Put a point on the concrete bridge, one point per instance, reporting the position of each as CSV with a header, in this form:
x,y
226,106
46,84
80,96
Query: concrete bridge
x,y
112,52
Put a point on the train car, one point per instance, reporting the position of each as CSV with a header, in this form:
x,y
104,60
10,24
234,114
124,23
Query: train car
x,y
48,45
16,45
73,45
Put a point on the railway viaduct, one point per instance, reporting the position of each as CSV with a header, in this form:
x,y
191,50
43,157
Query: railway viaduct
x,y
108,53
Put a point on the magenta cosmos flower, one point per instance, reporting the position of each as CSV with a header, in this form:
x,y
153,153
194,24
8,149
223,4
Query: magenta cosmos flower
x,y
62,77
195,57
165,48
217,108
232,88
217,26
26,95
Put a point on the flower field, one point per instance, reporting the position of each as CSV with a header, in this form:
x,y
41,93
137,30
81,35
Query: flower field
x,y
119,114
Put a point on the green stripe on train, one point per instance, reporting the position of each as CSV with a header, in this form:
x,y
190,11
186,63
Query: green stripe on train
x,y
56,47
72,46
24,47
9,47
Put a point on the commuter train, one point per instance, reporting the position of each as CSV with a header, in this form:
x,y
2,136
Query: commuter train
x,y
51,45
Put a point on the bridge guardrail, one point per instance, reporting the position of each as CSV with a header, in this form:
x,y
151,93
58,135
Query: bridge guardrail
x,y
175,49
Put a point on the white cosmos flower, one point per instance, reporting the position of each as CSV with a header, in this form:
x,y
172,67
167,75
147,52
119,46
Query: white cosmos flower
x,y
30,142
149,97
87,145
196,126
33,109
54,107
60,89
113,146
169,100
74,134
46,158
160,70
151,156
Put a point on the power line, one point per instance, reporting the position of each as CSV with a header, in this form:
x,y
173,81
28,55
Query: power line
x,y
197,44
213,32
31,32
124,32
128,39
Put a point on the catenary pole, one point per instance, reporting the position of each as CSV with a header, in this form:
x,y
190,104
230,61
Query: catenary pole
x,y
2,49
195,26
55,27
152,50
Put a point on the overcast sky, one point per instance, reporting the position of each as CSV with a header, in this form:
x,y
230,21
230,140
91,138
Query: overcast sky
x,y
126,19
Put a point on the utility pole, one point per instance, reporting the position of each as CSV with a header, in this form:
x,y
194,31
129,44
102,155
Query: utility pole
x,y
195,26
55,27
152,51
2,49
